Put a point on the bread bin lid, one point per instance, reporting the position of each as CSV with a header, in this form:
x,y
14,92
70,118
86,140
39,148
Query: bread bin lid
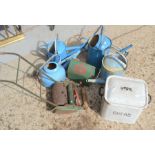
x,y
124,91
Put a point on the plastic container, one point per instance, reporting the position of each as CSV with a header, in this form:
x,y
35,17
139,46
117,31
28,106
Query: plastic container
x,y
124,99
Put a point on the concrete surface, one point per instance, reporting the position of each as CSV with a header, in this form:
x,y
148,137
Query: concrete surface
x,y
36,34
19,111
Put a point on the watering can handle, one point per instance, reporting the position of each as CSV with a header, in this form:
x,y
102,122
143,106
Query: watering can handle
x,y
116,59
99,28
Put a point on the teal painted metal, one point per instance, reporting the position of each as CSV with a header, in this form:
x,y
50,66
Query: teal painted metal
x,y
96,48
96,51
80,71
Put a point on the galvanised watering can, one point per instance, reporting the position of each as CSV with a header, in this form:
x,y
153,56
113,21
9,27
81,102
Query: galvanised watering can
x,y
96,48
124,50
113,63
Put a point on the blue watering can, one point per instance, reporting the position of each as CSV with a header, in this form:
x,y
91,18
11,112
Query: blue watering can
x,y
96,48
61,52
59,57
58,47
50,73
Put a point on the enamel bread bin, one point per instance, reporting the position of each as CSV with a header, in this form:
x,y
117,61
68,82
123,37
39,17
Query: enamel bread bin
x,y
124,99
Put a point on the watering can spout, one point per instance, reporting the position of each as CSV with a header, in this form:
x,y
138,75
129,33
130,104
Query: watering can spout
x,y
124,50
59,52
75,47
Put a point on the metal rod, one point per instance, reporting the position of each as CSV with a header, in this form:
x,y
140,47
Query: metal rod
x,y
98,81
50,78
17,69
42,99
40,90
126,48
11,66
15,83
15,28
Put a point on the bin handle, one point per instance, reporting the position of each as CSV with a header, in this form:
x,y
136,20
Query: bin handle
x,y
119,61
150,98
101,91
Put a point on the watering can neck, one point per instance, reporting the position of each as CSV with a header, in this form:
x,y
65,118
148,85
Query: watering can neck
x,y
74,47
103,42
60,46
51,70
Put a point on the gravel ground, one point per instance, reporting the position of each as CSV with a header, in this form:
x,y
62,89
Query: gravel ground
x,y
20,111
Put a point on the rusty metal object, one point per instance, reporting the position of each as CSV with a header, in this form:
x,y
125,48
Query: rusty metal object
x,y
59,94
85,99
70,91
77,97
